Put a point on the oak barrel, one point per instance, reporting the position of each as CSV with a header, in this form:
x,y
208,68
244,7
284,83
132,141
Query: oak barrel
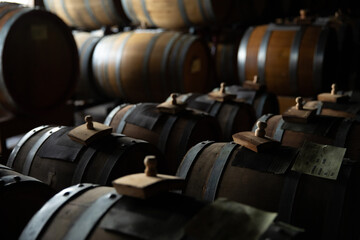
x,y
290,60
48,154
88,14
233,116
173,134
264,180
20,198
336,131
88,211
149,65
39,60
87,88
172,14
345,110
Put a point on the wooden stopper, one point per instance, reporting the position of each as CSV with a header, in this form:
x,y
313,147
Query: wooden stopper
x,y
150,166
299,103
302,13
255,80
89,122
333,89
260,131
174,98
222,88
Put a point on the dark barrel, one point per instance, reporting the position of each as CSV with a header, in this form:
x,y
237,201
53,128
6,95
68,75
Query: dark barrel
x,y
39,60
173,134
20,198
48,154
265,181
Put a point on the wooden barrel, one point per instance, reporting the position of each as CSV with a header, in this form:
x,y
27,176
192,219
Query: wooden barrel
x,y
48,154
232,116
149,65
88,211
20,198
88,14
174,134
214,170
174,14
39,60
290,60
340,132
87,88
263,102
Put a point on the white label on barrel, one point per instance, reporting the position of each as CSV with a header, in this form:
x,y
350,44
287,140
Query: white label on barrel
x,y
38,32
319,160
225,219
196,65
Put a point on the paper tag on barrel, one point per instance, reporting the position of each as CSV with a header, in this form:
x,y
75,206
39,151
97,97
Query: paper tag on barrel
x,y
319,160
225,219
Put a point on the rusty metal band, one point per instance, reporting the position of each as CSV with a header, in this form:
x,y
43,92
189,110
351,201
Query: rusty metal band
x,y
319,59
122,123
294,60
190,158
38,222
217,171
146,67
183,13
113,112
342,132
242,55
165,132
23,140
87,221
264,119
119,56
146,13
31,154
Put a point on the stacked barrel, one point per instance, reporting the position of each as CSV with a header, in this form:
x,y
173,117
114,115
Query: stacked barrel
x,y
182,113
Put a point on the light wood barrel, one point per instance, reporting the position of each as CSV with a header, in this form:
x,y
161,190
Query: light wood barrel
x,y
336,131
88,14
39,60
290,60
232,116
214,170
174,14
87,88
149,65
87,211
172,134
20,198
48,154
